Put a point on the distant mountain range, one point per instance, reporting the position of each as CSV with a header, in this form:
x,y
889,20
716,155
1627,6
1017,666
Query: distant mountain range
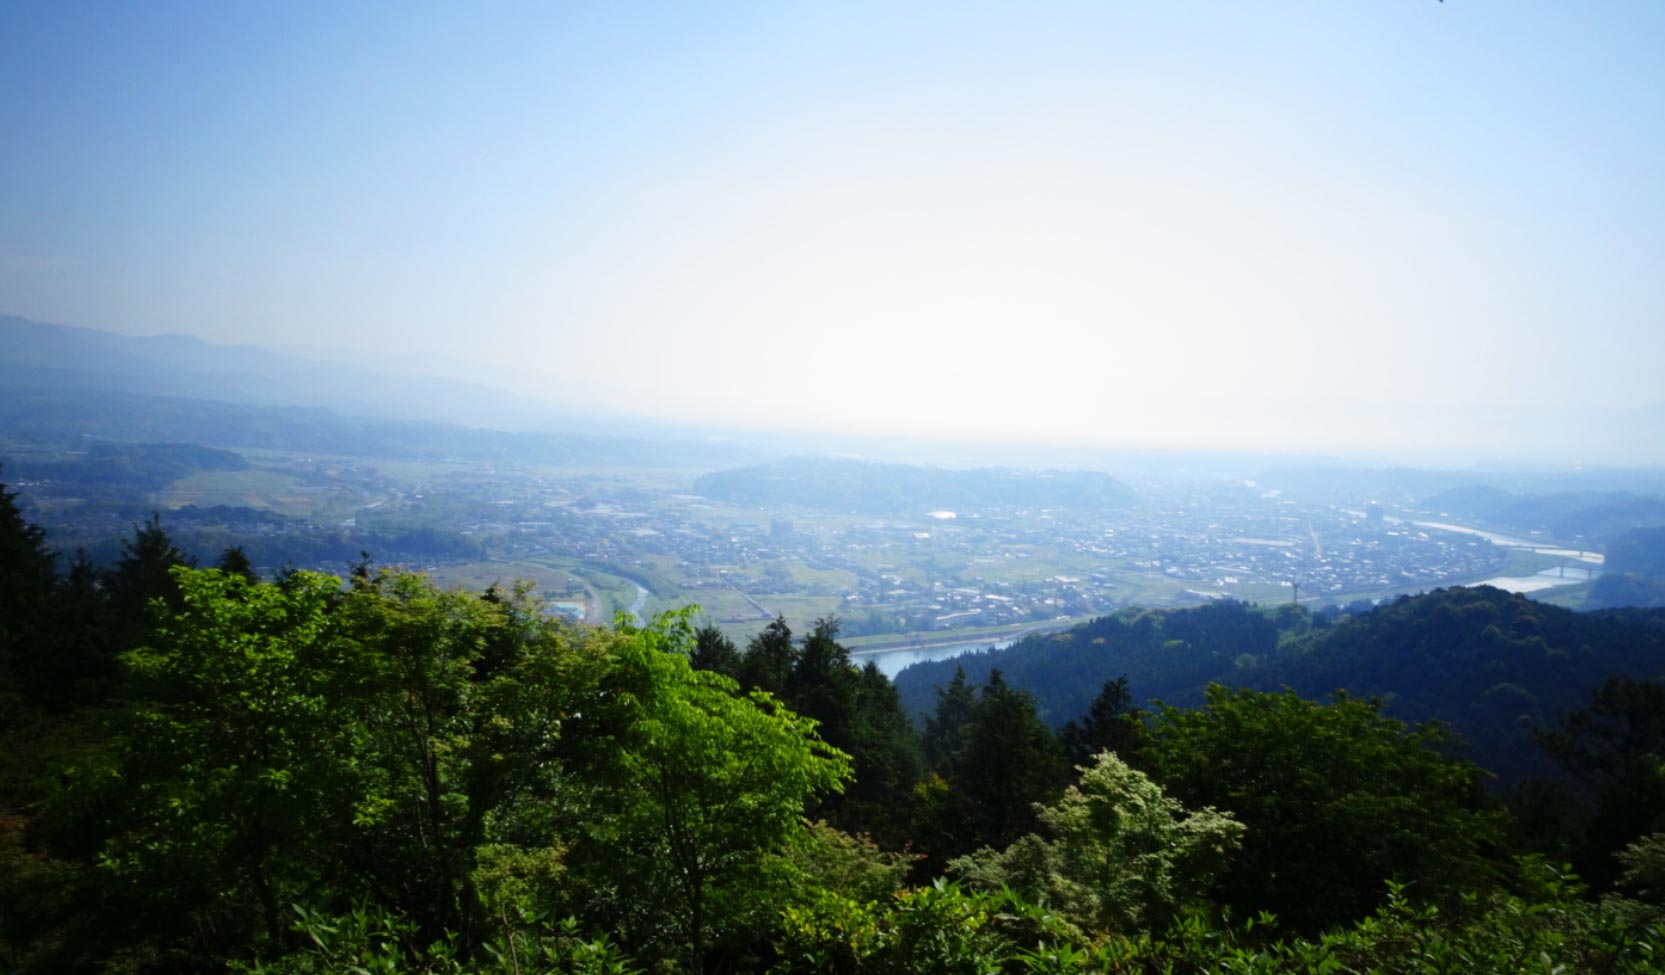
x,y
54,360
38,355
70,386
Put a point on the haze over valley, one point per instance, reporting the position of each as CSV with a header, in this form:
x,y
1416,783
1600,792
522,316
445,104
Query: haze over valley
x,y
966,543
775,488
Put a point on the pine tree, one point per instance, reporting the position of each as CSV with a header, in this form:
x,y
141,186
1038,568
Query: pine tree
x,y
142,575
770,658
1112,723
27,580
715,652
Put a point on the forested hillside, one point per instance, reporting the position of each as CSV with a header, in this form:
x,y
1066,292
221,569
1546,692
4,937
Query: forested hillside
x,y
1635,571
206,771
1495,666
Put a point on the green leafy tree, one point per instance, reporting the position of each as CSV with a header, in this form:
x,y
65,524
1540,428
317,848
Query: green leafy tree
x,y
293,742
1338,800
706,781
227,780
1114,854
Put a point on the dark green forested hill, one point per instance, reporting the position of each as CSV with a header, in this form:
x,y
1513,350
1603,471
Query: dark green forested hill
x,y
1495,665
1492,664
1171,655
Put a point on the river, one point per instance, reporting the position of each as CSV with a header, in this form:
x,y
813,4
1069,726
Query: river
x,y
1513,541
893,661
1551,578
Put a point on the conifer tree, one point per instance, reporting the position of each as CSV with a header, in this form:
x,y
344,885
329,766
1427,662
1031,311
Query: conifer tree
x,y
715,652
770,658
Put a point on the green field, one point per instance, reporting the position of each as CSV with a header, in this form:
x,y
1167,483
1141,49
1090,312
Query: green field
x,y
263,489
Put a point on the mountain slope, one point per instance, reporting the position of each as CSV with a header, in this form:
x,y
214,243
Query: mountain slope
x,y
38,355
1492,664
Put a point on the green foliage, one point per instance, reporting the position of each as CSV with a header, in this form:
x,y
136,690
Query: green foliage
x,y
940,928
1113,721
994,760
144,574
1615,749
1493,665
825,859
770,658
1644,868
439,752
705,781
1337,798
26,564
1171,654
225,786
1117,853
27,580
714,651
369,940
1549,929
380,777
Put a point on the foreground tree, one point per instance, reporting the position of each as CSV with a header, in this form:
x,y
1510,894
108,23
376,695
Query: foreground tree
x,y
1615,750
705,781
992,760
1114,853
438,754
28,578
1338,800
229,781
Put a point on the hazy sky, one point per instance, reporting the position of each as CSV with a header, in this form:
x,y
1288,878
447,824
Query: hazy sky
x,y
1242,224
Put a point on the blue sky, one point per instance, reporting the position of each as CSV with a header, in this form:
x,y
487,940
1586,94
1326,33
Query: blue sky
x,y
1233,224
